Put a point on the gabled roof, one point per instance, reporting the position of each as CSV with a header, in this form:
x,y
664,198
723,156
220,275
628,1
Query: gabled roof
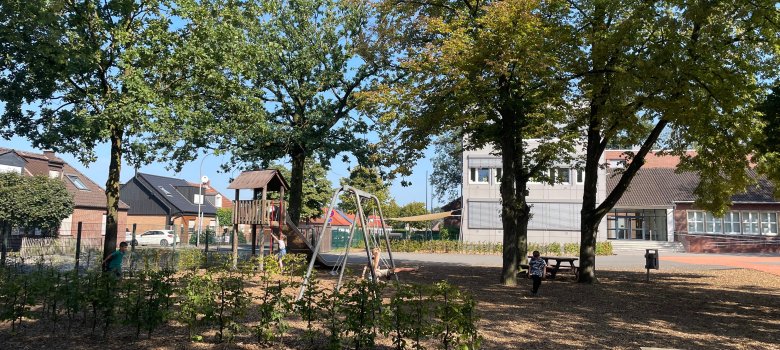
x,y
271,180
338,218
39,164
166,190
664,187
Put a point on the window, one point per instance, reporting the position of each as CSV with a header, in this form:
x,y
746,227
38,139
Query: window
x,y
580,176
10,169
750,223
499,173
77,182
218,201
484,215
695,221
198,199
731,223
164,191
560,175
713,224
769,223
480,175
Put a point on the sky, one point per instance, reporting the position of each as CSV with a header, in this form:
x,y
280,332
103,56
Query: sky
x,y
210,166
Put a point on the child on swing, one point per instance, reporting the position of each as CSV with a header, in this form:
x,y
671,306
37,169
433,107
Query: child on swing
x,y
386,273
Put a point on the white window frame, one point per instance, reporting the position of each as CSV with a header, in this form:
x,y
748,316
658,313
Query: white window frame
x,y
750,220
555,174
712,224
695,218
76,181
768,221
730,221
474,176
10,169
579,176
497,173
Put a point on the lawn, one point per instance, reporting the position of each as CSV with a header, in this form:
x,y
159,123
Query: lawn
x,y
685,309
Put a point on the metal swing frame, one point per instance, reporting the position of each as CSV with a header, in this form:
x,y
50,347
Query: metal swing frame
x,y
360,220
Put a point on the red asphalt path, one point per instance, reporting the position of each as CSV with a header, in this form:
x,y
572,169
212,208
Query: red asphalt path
x,y
770,264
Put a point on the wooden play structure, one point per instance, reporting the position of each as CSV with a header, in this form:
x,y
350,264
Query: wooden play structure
x,y
370,240
266,213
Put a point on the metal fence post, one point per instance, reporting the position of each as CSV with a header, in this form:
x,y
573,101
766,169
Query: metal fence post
x,y
132,251
78,245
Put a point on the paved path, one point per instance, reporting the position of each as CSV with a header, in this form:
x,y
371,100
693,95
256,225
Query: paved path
x,y
631,260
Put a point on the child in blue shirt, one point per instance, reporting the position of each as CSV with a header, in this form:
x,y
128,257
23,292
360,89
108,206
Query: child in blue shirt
x,y
537,270
113,263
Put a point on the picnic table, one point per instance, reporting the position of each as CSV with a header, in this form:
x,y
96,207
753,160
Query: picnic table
x,y
554,267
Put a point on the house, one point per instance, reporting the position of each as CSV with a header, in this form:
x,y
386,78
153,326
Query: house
x,y
160,202
88,197
555,209
659,206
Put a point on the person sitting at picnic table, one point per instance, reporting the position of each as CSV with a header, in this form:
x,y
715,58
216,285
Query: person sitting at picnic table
x,y
537,271
386,273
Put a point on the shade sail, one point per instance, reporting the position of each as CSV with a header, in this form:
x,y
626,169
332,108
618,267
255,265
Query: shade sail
x,y
426,217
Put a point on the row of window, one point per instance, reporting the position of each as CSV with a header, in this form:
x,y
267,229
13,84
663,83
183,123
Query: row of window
x,y
493,175
734,222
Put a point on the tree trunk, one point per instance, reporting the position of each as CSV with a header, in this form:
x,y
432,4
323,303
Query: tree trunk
x,y
3,242
509,204
298,157
112,192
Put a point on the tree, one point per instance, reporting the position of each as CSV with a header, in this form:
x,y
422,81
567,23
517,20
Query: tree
x,y
768,146
693,67
76,74
414,209
367,180
447,176
310,62
317,189
28,203
494,69
225,216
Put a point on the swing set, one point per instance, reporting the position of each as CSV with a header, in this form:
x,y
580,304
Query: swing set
x,y
370,239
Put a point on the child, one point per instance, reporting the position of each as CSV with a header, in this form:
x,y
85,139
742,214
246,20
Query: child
x,y
384,272
113,263
537,271
281,240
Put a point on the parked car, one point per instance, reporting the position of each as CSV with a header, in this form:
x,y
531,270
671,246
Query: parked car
x,y
162,238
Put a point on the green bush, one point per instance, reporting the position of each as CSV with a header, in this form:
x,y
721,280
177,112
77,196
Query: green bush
x,y
604,248
571,248
553,248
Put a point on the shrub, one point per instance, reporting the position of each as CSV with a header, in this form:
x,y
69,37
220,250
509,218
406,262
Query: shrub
x,y
571,248
604,248
554,248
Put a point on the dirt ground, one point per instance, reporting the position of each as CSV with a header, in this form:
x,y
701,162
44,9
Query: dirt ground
x,y
707,309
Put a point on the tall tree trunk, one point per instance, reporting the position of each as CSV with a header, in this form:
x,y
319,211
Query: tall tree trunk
x,y
523,209
112,192
3,242
298,157
509,203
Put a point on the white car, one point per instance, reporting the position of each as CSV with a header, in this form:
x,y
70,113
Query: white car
x,y
162,238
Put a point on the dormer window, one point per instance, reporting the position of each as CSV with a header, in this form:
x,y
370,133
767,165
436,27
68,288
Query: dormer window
x,y
77,182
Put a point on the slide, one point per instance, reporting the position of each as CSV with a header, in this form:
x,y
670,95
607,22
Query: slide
x,y
297,244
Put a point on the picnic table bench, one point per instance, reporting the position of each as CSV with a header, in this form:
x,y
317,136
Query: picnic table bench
x,y
553,269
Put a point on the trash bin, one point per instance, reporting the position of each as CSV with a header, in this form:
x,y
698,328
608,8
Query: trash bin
x,y
651,259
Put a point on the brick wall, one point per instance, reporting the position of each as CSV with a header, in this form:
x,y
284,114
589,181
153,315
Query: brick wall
x,y
93,224
731,244
146,222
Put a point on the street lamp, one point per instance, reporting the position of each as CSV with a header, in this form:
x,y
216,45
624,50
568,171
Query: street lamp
x,y
203,179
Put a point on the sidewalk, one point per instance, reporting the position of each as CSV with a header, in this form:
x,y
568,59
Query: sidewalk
x,y
684,261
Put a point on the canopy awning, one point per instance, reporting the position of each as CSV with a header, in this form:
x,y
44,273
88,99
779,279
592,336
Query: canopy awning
x,y
426,217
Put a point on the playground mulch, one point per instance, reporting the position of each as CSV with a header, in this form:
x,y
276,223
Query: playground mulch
x,y
728,308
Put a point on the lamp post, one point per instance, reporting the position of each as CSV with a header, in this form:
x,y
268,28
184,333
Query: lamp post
x,y
203,179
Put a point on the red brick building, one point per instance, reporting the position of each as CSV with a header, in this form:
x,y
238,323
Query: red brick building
x,y
89,198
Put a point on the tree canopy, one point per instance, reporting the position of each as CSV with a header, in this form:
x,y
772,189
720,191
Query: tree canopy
x,y
76,74
447,176
368,180
33,202
317,189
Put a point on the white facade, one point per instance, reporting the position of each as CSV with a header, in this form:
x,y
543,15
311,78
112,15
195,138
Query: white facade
x,y
555,208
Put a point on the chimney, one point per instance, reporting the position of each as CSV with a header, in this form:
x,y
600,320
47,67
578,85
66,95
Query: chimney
x,y
49,154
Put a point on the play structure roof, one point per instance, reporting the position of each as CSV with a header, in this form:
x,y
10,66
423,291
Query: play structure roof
x,y
271,180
